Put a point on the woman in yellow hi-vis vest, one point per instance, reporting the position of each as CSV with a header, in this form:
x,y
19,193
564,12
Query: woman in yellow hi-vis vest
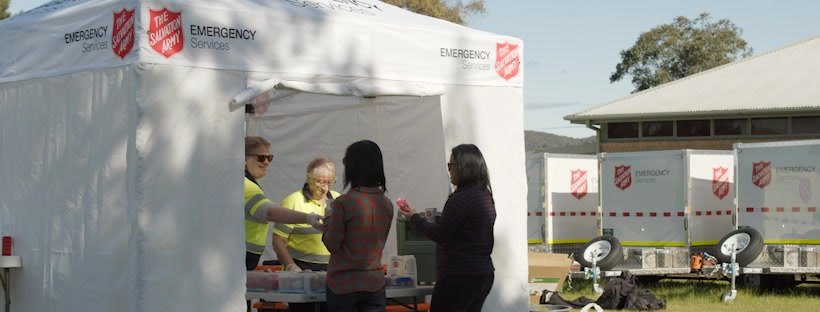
x,y
259,210
300,246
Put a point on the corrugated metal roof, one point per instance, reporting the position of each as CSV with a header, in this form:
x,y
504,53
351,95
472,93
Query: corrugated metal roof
x,y
784,80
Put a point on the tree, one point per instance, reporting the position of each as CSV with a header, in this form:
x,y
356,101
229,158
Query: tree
x,y
457,12
679,49
4,9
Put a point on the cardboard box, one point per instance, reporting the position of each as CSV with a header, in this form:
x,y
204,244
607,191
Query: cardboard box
x,y
547,271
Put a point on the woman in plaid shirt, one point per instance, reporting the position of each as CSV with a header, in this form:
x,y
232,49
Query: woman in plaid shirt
x,y
356,231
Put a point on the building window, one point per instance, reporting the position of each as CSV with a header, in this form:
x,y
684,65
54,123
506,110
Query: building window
x,y
622,130
730,127
693,128
651,129
806,125
770,126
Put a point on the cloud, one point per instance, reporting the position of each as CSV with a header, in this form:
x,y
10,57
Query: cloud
x,y
548,105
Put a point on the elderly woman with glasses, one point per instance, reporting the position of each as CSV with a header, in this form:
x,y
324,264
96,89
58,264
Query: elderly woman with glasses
x,y
259,210
300,246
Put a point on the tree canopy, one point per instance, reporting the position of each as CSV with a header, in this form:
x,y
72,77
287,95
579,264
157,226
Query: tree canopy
x,y
457,12
4,9
679,49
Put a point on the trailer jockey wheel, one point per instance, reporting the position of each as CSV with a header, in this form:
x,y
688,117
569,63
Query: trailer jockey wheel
x,y
605,250
729,296
748,245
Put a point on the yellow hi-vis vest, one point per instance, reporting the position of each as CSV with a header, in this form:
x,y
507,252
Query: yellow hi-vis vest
x,y
256,223
304,243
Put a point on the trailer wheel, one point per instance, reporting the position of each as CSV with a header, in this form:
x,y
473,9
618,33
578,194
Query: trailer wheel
x,y
605,250
748,245
729,296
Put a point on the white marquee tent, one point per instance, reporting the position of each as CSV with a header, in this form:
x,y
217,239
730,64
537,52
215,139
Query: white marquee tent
x,y
122,125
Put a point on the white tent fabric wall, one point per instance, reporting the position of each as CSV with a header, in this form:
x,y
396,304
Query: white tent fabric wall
x,y
191,152
65,149
122,166
113,210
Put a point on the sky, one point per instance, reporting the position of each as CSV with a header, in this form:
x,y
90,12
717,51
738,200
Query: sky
x,y
572,46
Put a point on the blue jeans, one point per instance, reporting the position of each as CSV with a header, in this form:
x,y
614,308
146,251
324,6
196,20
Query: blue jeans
x,y
360,301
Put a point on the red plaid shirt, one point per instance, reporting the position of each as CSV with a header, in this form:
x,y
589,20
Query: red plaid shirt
x,y
355,236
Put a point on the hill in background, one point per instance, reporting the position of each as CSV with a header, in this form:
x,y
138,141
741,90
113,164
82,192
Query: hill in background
x,y
541,142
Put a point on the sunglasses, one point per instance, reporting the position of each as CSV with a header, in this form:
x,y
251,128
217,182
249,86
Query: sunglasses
x,y
262,158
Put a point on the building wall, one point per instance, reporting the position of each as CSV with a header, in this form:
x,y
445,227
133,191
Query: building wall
x,y
710,143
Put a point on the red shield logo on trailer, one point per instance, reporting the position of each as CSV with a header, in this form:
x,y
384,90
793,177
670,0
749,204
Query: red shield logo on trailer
x,y
762,173
720,182
804,188
623,176
578,185
507,60
122,36
165,31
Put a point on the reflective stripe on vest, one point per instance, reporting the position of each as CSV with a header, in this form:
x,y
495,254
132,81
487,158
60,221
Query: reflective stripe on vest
x,y
284,228
260,214
256,224
305,231
254,248
307,257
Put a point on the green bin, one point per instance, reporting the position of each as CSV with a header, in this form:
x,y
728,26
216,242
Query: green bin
x,y
411,242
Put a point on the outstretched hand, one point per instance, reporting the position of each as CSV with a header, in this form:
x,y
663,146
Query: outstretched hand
x,y
293,267
405,209
315,221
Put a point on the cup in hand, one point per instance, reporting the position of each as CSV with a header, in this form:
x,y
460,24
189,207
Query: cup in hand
x,y
430,214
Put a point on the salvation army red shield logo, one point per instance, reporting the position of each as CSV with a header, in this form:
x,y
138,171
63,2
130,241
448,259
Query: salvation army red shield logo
x,y
761,173
804,189
623,176
507,60
720,182
122,36
165,31
578,183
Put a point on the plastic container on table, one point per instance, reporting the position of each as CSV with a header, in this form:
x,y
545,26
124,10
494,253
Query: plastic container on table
x,y
262,281
307,282
398,281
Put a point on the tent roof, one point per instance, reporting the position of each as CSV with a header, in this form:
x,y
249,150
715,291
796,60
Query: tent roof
x,y
330,10
358,39
781,81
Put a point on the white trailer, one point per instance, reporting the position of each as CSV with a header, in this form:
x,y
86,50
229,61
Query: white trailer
x,y
659,207
562,201
778,185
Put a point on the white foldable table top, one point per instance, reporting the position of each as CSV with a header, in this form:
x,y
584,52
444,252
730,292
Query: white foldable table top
x,y
274,296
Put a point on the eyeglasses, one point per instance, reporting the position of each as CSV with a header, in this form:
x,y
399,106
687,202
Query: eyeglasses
x,y
262,158
451,165
323,182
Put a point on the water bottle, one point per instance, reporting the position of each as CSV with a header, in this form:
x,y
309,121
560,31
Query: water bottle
x,y
410,268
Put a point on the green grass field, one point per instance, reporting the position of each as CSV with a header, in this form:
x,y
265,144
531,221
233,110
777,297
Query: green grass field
x,y
699,295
